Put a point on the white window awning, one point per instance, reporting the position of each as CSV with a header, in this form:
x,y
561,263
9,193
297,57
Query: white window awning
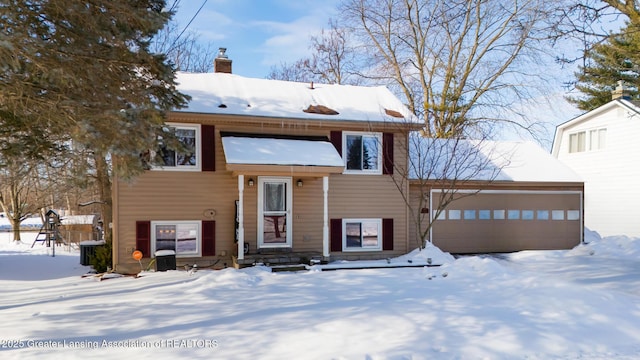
x,y
249,155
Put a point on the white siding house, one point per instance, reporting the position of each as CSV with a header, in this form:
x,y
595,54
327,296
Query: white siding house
x,y
603,147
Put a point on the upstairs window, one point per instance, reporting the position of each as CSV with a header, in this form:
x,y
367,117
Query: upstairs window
x,y
597,139
577,142
580,142
184,159
363,152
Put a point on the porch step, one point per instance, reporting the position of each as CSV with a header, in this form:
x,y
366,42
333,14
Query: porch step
x,y
280,259
292,267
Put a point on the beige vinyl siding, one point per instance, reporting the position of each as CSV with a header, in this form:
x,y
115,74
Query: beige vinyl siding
x,y
170,195
176,195
308,212
369,196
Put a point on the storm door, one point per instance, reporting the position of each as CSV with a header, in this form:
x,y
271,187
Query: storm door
x,y
274,212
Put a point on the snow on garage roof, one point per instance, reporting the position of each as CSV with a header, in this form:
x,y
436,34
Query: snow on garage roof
x,y
485,161
270,151
222,93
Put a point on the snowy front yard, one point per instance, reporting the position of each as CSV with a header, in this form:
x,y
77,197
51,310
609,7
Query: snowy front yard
x,y
583,303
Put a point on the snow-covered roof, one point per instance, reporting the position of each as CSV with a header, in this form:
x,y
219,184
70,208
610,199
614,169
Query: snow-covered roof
x,y
271,151
221,93
79,220
485,161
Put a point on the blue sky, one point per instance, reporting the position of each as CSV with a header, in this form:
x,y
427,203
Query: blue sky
x,y
258,33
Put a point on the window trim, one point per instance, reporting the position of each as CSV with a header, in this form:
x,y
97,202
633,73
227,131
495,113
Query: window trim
x,y
378,247
198,224
345,153
197,150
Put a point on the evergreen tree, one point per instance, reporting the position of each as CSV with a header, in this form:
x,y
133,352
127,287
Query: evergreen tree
x,y
616,59
82,72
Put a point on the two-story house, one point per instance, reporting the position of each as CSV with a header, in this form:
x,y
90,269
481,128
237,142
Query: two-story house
x,y
279,171
601,146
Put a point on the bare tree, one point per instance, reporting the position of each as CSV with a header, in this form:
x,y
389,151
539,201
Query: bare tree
x,y
445,166
17,195
184,49
297,71
333,60
447,170
579,25
458,63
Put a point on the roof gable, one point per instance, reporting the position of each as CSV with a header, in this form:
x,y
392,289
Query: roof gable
x,y
632,106
219,93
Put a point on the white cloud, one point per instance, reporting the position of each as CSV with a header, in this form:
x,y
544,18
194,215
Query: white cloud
x,y
287,42
210,25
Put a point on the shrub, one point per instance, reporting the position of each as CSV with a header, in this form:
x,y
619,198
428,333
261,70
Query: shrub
x,y
102,259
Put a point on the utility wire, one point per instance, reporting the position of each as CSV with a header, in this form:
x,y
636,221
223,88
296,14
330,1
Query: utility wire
x,y
188,24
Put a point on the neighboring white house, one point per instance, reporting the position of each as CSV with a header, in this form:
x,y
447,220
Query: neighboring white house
x,y
603,147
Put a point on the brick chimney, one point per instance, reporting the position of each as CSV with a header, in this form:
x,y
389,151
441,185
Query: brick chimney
x,y
222,64
620,92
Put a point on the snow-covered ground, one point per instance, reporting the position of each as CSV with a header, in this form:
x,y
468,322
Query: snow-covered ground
x,y
583,303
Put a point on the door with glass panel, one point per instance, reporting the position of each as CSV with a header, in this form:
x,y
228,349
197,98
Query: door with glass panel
x,y
274,212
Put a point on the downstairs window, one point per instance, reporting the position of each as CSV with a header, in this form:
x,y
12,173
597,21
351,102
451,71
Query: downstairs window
x,y
183,237
361,234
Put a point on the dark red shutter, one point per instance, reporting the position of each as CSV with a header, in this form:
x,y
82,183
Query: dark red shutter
x,y
208,238
208,148
143,237
387,153
387,234
336,140
336,234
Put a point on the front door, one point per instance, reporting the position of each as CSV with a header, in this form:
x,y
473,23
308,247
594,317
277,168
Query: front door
x,y
274,212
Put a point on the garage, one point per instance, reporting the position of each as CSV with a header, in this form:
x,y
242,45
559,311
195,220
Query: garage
x,y
488,221
509,196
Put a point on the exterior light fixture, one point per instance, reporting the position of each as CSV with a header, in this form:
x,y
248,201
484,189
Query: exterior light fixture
x,y
299,183
251,182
